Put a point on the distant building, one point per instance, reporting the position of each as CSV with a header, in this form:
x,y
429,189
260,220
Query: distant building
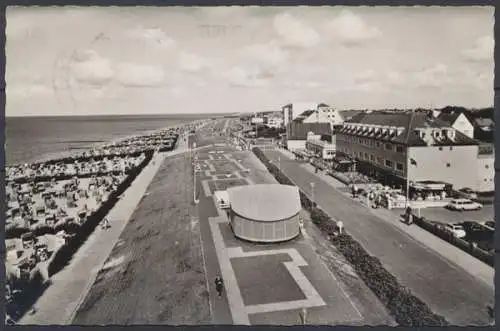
x,y
298,133
393,146
459,122
291,111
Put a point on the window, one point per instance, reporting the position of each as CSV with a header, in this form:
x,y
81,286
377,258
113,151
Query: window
x,y
486,166
440,148
372,157
388,163
388,147
366,156
379,159
378,143
448,165
451,148
399,166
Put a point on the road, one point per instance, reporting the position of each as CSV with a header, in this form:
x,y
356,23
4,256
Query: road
x,y
444,286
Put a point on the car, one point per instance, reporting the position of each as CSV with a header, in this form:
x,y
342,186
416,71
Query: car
x,y
463,204
457,230
468,193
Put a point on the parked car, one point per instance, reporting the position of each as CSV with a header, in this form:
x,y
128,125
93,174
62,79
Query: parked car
x,y
457,230
468,193
463,204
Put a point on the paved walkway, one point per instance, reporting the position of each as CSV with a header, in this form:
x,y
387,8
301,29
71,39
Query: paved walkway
x,y
61,299
447,288
475,267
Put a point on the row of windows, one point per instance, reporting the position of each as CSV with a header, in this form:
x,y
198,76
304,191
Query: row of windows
x,y
371,158
373,143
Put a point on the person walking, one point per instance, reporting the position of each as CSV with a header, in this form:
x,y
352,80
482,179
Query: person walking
x,y
219,285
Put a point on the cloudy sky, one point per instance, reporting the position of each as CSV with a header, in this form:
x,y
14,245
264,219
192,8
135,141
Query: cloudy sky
x,y
68,60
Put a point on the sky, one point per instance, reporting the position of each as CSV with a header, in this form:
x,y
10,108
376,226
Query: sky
x,y
165,60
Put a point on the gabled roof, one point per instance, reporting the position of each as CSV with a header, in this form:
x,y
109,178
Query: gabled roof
x,y
298,131
306,113
448,117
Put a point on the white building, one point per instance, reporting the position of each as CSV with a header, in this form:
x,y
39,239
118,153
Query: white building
x,y
459,122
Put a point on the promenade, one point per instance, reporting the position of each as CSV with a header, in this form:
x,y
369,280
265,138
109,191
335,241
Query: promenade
x,y
445,286
61,299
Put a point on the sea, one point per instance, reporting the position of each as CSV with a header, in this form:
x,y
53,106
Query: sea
x,y
35,139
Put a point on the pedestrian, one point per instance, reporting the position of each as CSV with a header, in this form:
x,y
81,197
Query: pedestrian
x,y
219,285
105,223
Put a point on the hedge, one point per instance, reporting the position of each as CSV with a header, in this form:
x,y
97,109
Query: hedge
x,y
406,308
457,242
65,253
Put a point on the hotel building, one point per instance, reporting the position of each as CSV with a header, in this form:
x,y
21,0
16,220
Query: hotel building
x,y
394,146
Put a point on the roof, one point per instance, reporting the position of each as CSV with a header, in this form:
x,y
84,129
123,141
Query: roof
x,y
259,202
298,131
448,117
306,113
410,121
347,114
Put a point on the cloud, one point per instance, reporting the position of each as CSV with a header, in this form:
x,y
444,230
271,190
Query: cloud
x,y
241,77
482,51
191,62
435,76
350,29
270,54
151,36
90,68
135,75
365,76
294,33
26,91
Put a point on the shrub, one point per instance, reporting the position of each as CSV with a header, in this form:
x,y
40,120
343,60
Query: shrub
x,y
407,309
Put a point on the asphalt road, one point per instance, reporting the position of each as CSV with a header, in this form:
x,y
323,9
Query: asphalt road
x,y
445,287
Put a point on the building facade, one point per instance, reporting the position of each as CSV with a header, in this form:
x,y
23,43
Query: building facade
x,y
298,133
395,146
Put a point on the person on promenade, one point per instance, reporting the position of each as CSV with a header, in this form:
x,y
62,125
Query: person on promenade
x,y
219,285
105,223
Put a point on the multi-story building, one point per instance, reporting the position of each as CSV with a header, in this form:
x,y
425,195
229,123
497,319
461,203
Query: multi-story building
x,y
291,111
298,133
322,114
395,146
